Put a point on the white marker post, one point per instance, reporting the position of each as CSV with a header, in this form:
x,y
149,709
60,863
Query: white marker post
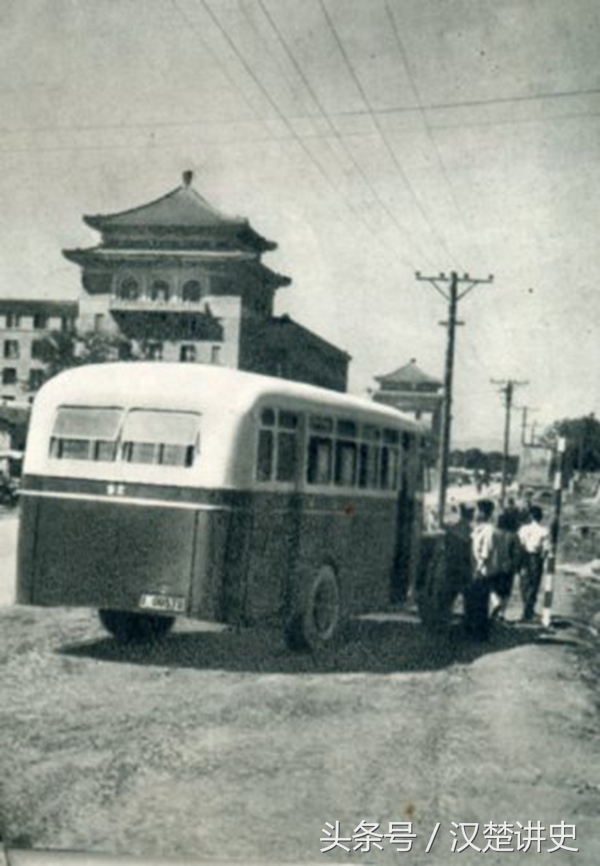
x,y
554,532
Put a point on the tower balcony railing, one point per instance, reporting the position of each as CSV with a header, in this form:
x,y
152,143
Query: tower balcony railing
x,y
145,304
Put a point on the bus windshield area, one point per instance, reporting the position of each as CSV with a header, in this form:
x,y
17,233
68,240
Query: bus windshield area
x,y
147,436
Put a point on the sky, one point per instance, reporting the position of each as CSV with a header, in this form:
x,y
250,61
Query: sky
x,y
369,138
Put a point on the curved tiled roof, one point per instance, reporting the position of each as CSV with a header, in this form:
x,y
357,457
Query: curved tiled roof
x,y
409,374
183,207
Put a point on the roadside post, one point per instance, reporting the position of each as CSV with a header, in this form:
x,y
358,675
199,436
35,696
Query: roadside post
x,y
550,569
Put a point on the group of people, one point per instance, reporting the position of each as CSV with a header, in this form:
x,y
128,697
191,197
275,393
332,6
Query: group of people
x,y
517,543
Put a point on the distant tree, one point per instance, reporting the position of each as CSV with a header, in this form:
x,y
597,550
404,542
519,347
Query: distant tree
x,y
583,441
457,457
61,350
474,459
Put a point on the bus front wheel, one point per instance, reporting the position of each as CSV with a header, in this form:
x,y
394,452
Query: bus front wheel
x,y
128,627
316,624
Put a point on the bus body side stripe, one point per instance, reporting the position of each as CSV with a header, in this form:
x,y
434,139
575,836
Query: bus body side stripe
x,y
126,500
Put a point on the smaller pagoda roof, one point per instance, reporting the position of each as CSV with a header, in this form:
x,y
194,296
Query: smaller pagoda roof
x,y
409,374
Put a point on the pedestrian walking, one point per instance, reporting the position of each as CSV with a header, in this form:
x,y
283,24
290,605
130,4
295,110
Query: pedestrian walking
x,y
511,516
535,541
505,564
477,595
526,506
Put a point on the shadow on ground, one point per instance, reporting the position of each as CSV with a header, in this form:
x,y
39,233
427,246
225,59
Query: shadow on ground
x,y
385,644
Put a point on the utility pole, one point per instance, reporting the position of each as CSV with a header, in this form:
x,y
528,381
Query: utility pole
x,y
448,288
525,410
508,387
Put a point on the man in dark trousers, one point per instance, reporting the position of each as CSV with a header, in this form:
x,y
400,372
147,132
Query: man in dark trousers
x,y
477,595
535,540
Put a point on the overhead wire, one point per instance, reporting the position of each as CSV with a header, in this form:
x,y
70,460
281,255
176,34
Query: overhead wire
x,y
285,120
417,96
332,114
335,132
398,165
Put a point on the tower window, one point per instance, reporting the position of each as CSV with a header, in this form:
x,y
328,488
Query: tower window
x,y
9,376
129,289
40,321
154,351
160,290
192,291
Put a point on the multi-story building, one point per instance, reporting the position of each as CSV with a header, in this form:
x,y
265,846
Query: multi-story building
x,y
180,282
184,282
23,325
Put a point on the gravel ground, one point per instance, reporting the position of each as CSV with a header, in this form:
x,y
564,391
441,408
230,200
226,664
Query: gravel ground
x,y
218,744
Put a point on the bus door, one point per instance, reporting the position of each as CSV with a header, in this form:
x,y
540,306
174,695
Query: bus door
x,y
275,513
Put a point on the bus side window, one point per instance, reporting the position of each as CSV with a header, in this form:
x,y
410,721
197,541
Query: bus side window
x,y
277,455
287,446
266,446
345,463
390,460
319,460
345,453
369,458
319,468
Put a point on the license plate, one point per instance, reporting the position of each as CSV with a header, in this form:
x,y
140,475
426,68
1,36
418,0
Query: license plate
x,y
170,603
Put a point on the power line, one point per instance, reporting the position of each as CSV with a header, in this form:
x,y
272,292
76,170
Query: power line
x,y
381,131
323,113
331,116
280,114
293,134
475,103
426,124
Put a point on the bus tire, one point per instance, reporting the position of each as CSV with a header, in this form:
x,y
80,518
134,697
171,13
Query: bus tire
x,y
316,623
127,627
436,595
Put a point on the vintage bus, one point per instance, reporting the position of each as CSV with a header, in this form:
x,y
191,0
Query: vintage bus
x,y
156,490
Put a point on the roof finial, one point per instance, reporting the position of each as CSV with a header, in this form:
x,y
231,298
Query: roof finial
x,y
188,177
413,360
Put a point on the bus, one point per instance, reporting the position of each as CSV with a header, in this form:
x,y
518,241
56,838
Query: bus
x,y
157,490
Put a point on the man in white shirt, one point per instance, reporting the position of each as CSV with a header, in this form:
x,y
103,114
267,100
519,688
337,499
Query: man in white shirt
x,y
535,541
477,595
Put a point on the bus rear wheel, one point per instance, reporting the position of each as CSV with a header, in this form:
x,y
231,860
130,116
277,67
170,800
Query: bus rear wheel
x,y
129,627
316,624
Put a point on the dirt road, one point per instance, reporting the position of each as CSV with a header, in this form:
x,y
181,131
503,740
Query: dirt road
x,y
222,744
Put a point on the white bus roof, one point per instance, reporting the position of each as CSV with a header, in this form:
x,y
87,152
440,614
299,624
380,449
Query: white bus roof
x,y
201,387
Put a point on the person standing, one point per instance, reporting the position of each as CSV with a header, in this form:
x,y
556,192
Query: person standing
x,y
477,595
507,560
535,541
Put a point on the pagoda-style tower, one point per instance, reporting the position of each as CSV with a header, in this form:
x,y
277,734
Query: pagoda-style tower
x,y
411,390
178,278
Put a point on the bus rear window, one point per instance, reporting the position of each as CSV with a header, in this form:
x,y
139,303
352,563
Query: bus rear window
x,y
160,438
85,433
